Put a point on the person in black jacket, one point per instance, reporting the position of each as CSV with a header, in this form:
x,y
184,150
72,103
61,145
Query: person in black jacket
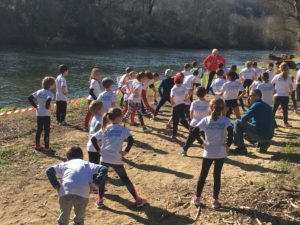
x,y
164,90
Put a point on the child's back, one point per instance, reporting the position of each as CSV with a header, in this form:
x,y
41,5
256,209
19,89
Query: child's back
x,y
108,98
267,90
231,90
42,96
217,84
200,110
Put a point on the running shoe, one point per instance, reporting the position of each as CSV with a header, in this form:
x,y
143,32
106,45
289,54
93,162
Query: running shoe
x,y
182,153
215,203
50,150
196,200
140,202
39,148
287,125
99,203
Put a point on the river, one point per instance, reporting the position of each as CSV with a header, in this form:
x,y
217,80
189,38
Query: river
x,y
21,71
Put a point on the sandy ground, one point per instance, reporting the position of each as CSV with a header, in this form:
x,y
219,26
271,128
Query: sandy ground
x,y
256,189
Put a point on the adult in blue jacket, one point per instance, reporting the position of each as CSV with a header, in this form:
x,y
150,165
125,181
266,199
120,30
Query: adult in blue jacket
x,y
256,125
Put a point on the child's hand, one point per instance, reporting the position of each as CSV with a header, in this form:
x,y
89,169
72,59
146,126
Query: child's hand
x,y
123,153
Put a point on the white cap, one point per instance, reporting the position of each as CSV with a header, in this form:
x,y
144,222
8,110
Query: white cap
x,y
169,73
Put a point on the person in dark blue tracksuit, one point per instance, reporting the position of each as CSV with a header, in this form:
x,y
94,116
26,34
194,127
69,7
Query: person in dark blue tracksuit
x,y
164,90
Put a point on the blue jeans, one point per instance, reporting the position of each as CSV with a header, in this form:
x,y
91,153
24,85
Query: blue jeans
x,y
246,130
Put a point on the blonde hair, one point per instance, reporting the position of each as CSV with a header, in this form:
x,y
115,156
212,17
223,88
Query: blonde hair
x,y
249,64
284,69
94,70
95,106
216,107
47,82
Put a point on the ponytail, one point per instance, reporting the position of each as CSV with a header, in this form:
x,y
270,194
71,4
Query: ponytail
x,y
284,69
111,115
217,107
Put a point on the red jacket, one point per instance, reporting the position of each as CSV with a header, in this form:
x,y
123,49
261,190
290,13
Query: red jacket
x,y
211,62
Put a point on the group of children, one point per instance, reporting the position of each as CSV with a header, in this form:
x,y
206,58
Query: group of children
x,y
208,122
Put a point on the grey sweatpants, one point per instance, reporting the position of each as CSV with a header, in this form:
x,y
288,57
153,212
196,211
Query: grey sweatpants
x,y
66,203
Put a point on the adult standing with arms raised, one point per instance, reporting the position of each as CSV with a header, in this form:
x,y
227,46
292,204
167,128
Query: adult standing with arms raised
x,y
211,63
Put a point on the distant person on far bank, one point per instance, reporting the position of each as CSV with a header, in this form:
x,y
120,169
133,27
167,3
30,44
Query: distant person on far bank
x,y
261,128
61,94
211,63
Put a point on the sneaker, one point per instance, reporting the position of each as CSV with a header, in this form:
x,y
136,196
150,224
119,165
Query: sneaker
x,y
287,125
239,151
39,148
140,202
196,200
182,153
216,204
263,147
99,203
147,129
50,150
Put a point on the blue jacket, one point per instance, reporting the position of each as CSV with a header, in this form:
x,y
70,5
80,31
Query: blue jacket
x,y
165,87
262,118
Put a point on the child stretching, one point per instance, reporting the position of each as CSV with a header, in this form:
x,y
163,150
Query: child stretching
x,y
61,95
43,97
96,108
267,89
255,83
126,90
122,81
76,177
270,70
218,83
112,137
199,109
135,100
94,93
231,91
179,95
218,138
107,97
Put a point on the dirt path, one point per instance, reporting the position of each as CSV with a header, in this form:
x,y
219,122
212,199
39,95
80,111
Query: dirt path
x,y
256,189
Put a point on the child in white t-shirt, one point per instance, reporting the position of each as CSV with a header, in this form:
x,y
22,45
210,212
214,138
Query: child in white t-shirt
x,y
135,100
270,71
179,95
199,109
96,108
218,83
112,137
218,139
61,94
255,83
186,69
107,97
188,83
43,97
231,91
77,176
267,89
94,92
122,81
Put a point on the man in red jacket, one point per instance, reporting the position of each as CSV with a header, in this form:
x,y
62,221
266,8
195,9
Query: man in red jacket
x,y
211,63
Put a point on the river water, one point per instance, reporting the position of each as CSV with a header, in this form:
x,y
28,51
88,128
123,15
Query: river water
x,y
21,71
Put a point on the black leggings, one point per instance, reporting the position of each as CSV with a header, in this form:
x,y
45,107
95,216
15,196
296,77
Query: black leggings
x,y
178,114
210,79
284,102
206,164
120,170
247,83
61,111
192,137
293,97
43,124
94,157
298,92
161,102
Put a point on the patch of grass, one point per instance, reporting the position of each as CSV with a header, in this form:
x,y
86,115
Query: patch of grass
x,y
289,148
8,108
35,156
5,155
284,165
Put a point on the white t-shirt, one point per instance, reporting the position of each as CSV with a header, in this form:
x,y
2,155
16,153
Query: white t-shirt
x,y
95,126
255,84
294,86
42,97
112,139
94,84
186,73
197,78
231,90
188,80
76,177
60,83
298,77
217,84
123,80
200,110
215,136
271,74
128,87
258,72
247,74
107,98
136,98
282,86
267,90
179,95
